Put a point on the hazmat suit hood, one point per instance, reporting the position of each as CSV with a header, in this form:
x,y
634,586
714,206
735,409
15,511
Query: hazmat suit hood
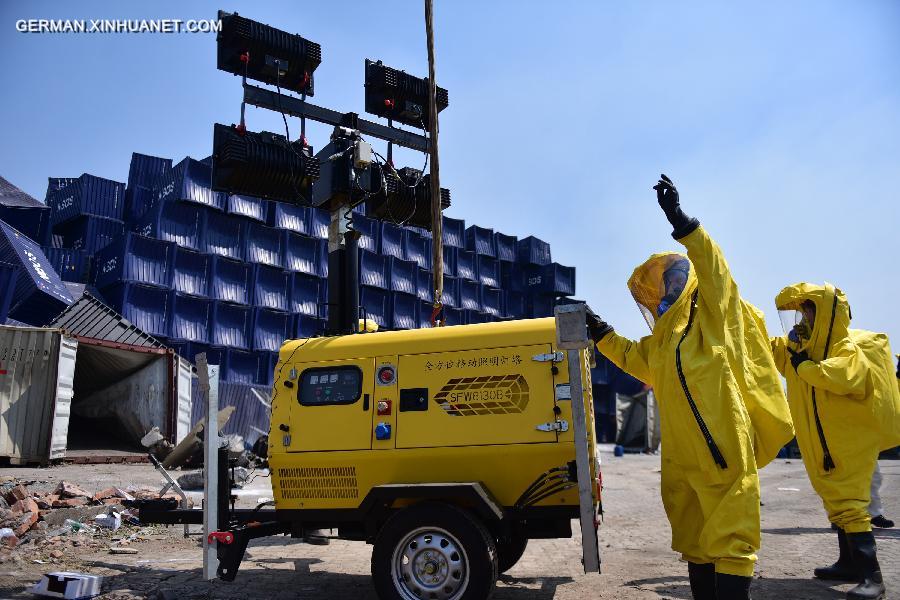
x,y
661,307
832,323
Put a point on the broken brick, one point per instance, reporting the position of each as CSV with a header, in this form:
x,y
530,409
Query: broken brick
x,y
20,492
47,501
23,523
107,493
24,506
70,502
66,489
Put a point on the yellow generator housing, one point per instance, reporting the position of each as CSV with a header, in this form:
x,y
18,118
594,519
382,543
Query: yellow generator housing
x,y
382,434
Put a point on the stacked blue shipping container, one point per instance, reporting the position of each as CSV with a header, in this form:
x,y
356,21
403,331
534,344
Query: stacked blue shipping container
x,y
234,276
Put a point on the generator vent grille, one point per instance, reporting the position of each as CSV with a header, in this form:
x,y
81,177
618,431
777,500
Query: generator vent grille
x,y
318,482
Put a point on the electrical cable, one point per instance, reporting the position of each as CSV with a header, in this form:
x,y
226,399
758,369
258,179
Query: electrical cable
x,y
550,492
546,484
539,480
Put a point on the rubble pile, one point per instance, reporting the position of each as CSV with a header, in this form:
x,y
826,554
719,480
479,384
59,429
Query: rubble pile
x,y
54,522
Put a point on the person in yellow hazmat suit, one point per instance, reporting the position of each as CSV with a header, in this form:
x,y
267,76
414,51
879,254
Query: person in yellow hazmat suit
x,y
722,406
845,404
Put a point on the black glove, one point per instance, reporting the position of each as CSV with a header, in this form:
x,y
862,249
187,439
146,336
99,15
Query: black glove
x,y
597,327
798,358
667,196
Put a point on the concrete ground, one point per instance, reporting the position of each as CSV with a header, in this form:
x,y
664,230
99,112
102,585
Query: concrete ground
x,y
637,560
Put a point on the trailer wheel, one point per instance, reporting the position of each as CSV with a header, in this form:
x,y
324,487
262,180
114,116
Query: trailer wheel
x,y
510,549
434,551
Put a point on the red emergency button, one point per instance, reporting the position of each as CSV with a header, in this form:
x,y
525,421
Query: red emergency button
x,y
384,407
386,375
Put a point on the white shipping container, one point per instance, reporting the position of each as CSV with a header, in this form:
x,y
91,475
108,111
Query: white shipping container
x,y
54,386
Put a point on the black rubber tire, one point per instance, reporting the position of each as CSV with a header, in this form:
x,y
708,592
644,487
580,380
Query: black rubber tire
x,y
476,541
510,549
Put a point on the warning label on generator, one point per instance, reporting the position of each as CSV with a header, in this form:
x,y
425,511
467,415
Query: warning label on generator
x,y
459,364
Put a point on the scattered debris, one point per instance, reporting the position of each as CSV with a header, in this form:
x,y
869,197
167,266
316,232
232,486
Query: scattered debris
x,y
193,441
62,584
111,520
8,537
193,480
121,550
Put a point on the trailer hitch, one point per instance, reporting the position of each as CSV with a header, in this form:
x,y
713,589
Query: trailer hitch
x,y
231,553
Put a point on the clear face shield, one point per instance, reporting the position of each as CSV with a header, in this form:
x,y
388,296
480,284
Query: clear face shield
x,y
659,286
798,324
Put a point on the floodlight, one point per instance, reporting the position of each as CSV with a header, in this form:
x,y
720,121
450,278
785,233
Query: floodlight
x,y
407,200
397,95
262,164
266,54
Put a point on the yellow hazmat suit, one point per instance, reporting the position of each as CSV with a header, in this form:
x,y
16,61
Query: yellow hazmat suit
x,y
844,402
723,410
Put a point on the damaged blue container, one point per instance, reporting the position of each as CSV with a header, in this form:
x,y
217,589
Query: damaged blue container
x,y
491,302
303,254
146,307
506,247
534,250
89,233
241,367
417,248
424,285
480,240
25,213
465,264
305,326
136,259
268,361
138,200
271,287
391,240
88,195
469,295
292,217
191,272
306,294
553,279
189,318
375,305
55,184
451,292
7,289
488,271
249,207
173,222
454,233
473,317
319,221
71,265
230,325
404,311
368,232
144,169
39,293
263,245
514,304
229,280
222,234
403,275
189,181
374,270
270,329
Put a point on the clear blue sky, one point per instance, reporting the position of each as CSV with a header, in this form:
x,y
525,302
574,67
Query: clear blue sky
x,y
779,121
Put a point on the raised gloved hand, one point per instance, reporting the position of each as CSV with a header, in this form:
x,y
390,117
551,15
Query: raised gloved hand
x,y
667,196
597,327
798,358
